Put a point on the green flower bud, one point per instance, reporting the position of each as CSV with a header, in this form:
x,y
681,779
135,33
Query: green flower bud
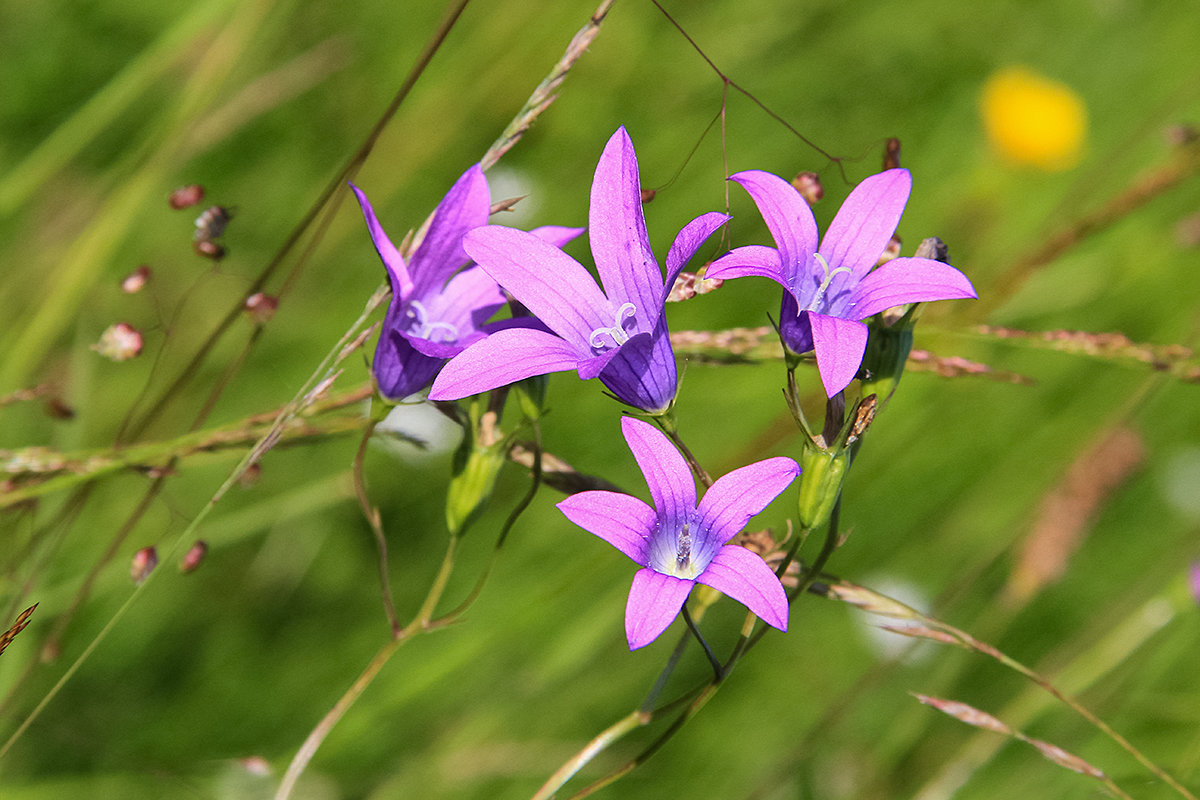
x,y
821,476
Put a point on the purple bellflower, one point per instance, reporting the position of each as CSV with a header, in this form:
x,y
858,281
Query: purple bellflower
x,y
679,543
434,312
828,290
618,334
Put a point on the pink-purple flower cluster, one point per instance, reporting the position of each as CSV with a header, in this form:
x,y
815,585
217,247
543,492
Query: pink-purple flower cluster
x,y
437,330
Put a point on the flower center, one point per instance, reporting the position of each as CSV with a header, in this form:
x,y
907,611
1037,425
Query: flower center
x,y
819,298
419,324
616,331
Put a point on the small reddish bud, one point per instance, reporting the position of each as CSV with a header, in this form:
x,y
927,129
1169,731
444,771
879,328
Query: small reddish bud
x,y
119,342
211,223
144,562
808,184
208,249
891,153
648,195
186,196
250,475
891,251
261,307
256,765
194,557
57,408
135,281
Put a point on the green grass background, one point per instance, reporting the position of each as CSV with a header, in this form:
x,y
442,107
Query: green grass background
x,y
107,107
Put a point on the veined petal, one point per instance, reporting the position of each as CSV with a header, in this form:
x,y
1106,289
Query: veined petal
x,y
745,577
552,285
623,521
617,230
864,225
466,302
402,285
440,253
590,368
667,474
754,259
400,369
642,373
556,235
654,602
794,329
505,357
908,280
789,219
738,495
839,345
687,242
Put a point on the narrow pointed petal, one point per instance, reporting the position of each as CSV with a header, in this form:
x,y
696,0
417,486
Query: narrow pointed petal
x,y
745,577
505,357
752,260
440,253
687,242
623,521
402,285
552,285
865,223
737,496
643,373
556,235
667,474
654,602
400,369
617,230
789,219
908,280
839,345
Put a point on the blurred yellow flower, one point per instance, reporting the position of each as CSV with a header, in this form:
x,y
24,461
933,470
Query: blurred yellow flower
x,y
1033,120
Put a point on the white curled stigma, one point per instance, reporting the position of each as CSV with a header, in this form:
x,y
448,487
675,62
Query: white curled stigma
x,y
617,331
819,297
421,327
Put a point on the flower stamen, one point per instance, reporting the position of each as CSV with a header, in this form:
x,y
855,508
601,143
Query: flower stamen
x,y
683,548
819,297
617,331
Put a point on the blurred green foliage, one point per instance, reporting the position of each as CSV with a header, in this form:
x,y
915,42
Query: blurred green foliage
x,y
108,107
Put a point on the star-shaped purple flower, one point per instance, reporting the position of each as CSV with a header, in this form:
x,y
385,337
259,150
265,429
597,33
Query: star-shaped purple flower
x,y
618,334
828,290
679,543
434,312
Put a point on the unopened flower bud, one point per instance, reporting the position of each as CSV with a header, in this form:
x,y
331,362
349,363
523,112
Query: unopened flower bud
x,y
648,195
211,223
891,251
209,249
477,464
136,280
144,562
808,184
186,196
119,342
261,307
891,153
821,474
194,557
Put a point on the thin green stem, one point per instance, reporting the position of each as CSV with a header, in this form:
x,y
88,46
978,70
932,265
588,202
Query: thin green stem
x,y
718,671
371,513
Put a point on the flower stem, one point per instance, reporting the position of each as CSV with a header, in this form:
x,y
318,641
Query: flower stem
x,y
666,423
373,519
718,671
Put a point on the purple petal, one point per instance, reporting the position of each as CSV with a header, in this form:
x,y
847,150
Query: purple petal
x,y
794,328
738,495
402,284
908,280
440,253
590,368
400,369
556,235
752,260
623,521
745,577
667,474
505,357
789,219
687,242
617,231
643,374
466,302
654,602
428,347
839,345
864,224
552,285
